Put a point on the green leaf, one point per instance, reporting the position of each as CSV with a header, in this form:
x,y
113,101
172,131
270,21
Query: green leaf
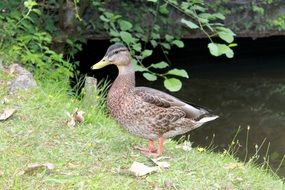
x,y
229,53
172,84
137,47
126,37
125,25
178,43
173,2
153,1
220,49
219,15
30,4
37,11
213,49
146,53
233,45
190,24
103,18
203,20
228,37
169,37
150,77
153,43
114,33
178,72
137,67
165,45
163,9
160,65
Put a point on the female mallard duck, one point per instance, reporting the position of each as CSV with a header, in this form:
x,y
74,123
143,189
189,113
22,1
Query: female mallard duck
x,y
146,112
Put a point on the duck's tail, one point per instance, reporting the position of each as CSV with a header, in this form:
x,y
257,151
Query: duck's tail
x,y
206,118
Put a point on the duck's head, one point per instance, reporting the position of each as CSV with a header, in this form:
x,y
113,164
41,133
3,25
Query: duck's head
x,y
117,54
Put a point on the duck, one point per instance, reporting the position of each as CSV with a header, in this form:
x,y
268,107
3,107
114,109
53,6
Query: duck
x,y
146,112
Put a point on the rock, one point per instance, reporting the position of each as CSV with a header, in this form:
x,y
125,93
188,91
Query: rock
x,y
23,80
90,91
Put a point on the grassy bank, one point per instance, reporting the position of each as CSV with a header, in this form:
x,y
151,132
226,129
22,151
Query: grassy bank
x,y
96,153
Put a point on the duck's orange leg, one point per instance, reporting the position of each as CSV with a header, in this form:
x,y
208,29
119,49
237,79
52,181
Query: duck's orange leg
x,y
150,149
160,146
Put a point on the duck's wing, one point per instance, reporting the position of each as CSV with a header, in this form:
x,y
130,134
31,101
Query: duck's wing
x,y
164,100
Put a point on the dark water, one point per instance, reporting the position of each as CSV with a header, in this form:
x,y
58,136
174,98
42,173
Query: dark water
x,y
248,90
253,96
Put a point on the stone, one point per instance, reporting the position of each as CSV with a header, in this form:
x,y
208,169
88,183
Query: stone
x,y
23,79
90,90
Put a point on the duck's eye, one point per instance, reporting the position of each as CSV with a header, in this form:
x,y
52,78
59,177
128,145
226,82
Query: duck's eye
x,y
116,52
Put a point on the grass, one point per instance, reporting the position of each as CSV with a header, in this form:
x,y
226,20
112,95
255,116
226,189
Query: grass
x,y
96,154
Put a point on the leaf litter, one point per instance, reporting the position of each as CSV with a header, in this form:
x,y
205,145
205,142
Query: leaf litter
x,y
75,117
36,167
7,113
139,169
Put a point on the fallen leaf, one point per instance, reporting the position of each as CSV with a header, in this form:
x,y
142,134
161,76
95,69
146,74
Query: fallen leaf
x,y
71,122
161,164
7,113
139,169
78,116
73,165
31,168
232,166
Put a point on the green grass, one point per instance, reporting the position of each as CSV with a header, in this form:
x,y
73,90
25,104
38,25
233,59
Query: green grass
x,y
96,154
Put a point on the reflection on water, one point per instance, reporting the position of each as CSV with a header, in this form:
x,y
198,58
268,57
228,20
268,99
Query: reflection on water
x,y
250,92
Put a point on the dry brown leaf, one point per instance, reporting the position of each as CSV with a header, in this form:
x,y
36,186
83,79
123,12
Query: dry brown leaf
x,y
232,166
139,169
31,168
77,116
73,165
71,122
7,113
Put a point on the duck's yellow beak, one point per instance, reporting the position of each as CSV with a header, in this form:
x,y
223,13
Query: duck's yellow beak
x,y
104,62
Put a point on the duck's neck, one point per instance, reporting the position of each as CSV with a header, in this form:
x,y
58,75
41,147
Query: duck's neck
x,y
124,82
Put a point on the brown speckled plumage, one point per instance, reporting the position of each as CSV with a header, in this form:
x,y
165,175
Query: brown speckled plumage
x,y
146,112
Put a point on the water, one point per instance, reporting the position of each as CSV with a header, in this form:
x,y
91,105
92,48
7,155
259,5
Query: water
x,y
248,91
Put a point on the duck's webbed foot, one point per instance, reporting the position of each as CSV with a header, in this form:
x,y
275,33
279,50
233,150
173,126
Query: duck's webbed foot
x,y
151,150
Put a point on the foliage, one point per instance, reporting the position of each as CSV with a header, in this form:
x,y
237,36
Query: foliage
x,y
262,15
45,35
137,34
22,39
